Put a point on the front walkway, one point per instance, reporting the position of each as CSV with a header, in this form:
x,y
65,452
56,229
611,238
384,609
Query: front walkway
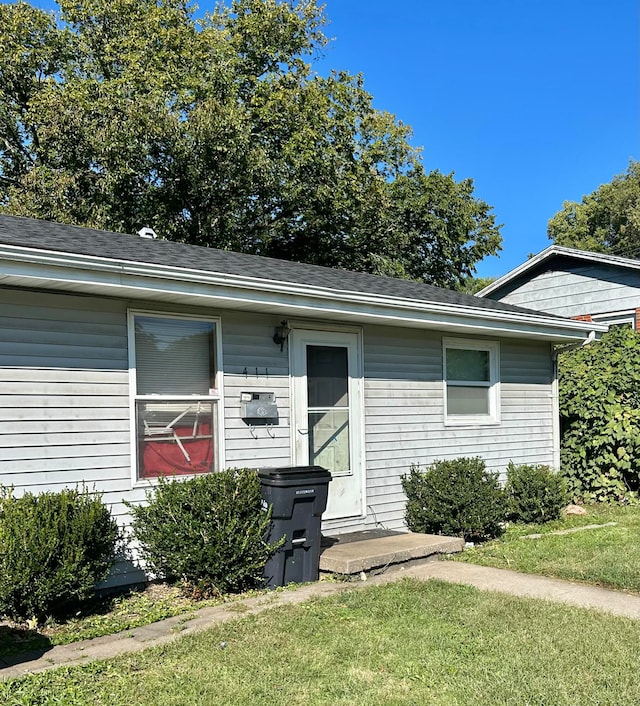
x,y
482,577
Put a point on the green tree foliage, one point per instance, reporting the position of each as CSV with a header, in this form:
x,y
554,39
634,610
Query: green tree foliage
x,y
217,131
600,417
608,220
472,285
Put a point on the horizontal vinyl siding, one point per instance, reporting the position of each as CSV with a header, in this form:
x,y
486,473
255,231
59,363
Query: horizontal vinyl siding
x,y
525,431
64,403
64,397
404,414
64,400
403,402
64,386
579,290
45,331
254,363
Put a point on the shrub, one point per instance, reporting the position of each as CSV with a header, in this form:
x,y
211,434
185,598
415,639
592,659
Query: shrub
x,y
599,387
54,547
208,532
534,493
457,497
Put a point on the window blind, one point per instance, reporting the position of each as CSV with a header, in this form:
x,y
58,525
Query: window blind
x,y
173,356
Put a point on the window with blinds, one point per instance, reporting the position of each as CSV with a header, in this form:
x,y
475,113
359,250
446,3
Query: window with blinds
x,y
175,394
471,381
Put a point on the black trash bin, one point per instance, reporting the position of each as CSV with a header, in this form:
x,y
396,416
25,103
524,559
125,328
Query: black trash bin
x,y
299,497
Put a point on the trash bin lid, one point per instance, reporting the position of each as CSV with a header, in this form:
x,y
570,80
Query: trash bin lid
x,y
295,473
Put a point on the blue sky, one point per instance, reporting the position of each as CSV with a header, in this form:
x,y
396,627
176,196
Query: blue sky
x,y
536,100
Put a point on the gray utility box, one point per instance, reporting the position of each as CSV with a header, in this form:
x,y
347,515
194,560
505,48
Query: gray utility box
x,y
258,406
299,497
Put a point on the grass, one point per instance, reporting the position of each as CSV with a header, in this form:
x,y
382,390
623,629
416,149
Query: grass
x,y
409,642
608,556
104,617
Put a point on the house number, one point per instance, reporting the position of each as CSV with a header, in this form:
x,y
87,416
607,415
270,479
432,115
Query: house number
x,y
246,372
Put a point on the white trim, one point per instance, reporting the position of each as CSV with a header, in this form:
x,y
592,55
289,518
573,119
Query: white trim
x,y
27,267
617,318
555,411
558,251
353,340
219,442
492,386
622,313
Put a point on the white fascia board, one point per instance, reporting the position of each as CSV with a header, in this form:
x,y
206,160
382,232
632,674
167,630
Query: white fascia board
x,y
558,251
79,273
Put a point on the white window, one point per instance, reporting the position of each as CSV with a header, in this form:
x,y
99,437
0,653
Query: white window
x,y
626,319
174,379
471,381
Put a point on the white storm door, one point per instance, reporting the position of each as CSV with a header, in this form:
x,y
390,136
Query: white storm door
x,y
327,417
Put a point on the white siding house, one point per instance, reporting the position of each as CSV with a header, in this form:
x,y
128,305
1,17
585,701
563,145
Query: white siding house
x,y
122,358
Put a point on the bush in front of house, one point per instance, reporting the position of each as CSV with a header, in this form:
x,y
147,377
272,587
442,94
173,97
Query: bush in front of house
x,y
599,396
534,493
208,532
54,547
458,497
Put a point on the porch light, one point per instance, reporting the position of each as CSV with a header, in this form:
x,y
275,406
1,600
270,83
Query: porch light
x,y
281,334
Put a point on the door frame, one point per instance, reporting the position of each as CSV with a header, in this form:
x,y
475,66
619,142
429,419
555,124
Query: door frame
x,y
328,334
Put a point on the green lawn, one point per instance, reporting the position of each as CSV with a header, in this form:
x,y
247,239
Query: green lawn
x,y
106,617
409,642
608,556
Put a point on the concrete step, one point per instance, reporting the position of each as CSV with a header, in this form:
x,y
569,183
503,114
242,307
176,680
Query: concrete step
x,y
353,555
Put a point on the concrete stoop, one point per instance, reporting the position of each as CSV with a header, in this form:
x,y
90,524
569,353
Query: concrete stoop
x,y
364,551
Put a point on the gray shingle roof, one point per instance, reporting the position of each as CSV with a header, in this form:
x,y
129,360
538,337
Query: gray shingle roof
x,y
45,235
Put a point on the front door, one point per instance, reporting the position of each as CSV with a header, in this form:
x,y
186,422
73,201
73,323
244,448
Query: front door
x,y
327,413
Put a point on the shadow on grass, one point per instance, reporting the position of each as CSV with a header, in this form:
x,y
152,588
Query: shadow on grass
x,y
18,645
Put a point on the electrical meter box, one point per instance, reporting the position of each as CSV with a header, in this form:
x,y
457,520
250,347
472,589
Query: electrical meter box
x,y
258,406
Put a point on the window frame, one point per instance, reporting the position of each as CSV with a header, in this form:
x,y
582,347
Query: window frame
x,y
216,393
492,418
617,318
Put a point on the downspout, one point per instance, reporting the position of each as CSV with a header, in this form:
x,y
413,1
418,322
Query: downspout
x,y
555,402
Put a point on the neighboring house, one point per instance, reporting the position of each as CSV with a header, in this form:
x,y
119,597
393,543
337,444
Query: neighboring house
x,y
574,283
123,357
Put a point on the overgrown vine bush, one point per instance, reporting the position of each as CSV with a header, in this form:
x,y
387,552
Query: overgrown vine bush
x,y
209,532
599,387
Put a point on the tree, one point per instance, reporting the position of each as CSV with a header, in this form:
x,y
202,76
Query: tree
x,y
472,285
217,131
608,220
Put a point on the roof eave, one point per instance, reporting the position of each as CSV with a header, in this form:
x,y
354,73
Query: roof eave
x,y
557,251
70,272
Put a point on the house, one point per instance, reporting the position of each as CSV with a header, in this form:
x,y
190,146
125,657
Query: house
x,y
574,283
125,357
